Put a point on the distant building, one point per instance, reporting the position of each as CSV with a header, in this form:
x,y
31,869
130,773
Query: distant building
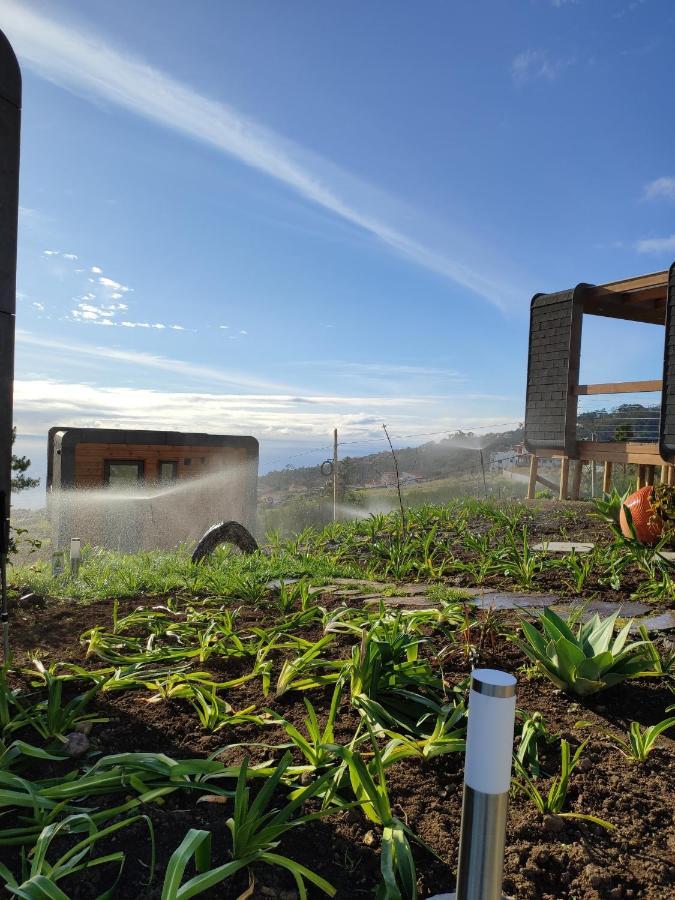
x,y
515,457
388,479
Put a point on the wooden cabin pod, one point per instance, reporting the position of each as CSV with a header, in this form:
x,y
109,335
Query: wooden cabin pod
x,y
141,490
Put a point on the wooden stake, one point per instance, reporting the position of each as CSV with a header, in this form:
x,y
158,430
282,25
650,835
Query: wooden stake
x,y
564,477
641,476
607,478
576,480
534,464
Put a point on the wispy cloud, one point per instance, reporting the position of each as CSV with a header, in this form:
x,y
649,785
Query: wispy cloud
x,y
656,245
89,65
532,65
660,188
148,361
113,285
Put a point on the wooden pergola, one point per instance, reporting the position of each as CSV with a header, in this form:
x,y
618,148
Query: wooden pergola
x,y
553,385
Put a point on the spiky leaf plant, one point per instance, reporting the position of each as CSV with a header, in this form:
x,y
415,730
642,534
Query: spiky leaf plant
x,y
586,662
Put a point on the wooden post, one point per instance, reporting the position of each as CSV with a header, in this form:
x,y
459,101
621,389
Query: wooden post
x,y
607,478
335,474
576,480
664,474
564,477
671,475
651,471
534,464
641,478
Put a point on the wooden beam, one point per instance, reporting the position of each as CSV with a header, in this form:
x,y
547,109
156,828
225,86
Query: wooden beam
x,y
564,477
551,485
637,283
607,478
534,464
645,453
576,479
617,306
619,387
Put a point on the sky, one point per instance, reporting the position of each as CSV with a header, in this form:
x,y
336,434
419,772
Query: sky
x,y
281,218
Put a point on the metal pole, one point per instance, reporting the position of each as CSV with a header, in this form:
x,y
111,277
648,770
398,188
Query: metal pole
x,y
335,473
482,465
487,777
10,128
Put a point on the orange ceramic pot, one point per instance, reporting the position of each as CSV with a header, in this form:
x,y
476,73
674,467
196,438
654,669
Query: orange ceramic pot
x,y
648,526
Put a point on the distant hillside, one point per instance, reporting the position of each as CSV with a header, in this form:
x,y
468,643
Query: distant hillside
x,y
428,462
454,455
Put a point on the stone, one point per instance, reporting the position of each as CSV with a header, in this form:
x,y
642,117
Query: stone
x,y
564,547
77,744
553,824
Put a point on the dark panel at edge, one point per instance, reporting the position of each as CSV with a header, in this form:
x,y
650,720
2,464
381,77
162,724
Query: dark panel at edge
x,y
667,421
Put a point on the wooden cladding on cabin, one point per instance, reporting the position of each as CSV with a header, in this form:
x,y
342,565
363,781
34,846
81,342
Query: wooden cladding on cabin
x,y
191,461
553,370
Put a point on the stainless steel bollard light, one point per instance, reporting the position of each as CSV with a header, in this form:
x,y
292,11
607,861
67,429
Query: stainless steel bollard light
x,y
487,776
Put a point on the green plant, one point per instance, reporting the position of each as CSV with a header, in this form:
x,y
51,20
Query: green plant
x,y
608,509
370,789
663,504
519,561
389,684
552,802
51,717
660,665
533,731
447,736
41,881
255,832
313,746
588,661
640,741
298,674
579,566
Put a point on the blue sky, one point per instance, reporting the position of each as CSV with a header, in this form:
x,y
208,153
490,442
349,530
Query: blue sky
x,y
275,218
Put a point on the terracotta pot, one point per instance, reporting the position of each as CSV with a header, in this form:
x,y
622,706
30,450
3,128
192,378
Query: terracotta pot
x,y
648,526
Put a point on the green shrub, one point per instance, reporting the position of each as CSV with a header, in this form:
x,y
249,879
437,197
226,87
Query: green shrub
x,y
588,661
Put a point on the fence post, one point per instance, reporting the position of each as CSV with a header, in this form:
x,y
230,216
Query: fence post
x,y
335,473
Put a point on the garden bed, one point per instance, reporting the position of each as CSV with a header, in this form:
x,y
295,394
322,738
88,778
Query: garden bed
x,y
546,856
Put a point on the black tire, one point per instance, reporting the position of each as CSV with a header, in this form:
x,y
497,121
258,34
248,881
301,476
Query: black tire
x,y
224,533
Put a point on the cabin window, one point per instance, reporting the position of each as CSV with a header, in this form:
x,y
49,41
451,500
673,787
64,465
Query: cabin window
x,y
168,470
122,473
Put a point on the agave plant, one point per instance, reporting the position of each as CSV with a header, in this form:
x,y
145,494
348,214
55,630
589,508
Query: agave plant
x,y
588,661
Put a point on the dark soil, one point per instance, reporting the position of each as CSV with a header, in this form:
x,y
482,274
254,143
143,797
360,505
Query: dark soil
x,y
544,859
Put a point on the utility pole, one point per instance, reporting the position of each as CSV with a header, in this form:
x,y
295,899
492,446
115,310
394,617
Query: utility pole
x,y
335,473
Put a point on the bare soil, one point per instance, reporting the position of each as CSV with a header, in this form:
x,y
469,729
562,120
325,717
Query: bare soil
x,y
544,858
